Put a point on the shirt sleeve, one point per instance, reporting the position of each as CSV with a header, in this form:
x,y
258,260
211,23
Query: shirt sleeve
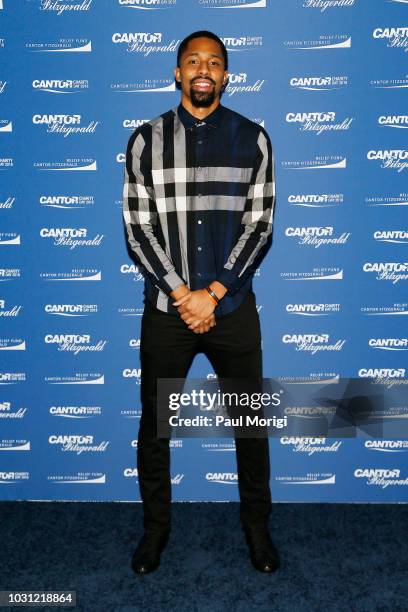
x,y
257,220
140,217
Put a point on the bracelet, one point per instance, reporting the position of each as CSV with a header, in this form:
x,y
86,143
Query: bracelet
x,y
212,295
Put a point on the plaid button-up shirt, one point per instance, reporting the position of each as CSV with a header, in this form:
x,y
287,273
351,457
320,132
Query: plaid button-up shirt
x,y
198,203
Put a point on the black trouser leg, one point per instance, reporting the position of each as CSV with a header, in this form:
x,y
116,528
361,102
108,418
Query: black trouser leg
x,y
234,349
167,349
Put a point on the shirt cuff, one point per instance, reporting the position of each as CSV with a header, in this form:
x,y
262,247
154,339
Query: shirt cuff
x,y
172,280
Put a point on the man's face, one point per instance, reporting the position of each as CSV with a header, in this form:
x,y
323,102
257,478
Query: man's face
x,y
201,72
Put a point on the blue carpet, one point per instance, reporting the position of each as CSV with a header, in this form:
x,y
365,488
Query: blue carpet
x,y
335,558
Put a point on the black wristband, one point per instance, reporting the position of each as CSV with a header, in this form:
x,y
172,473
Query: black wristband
x,y
211,292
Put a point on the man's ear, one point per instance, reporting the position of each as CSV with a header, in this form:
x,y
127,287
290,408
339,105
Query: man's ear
x,y
177,74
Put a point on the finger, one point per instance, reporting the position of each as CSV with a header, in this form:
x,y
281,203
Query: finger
x,y
182,300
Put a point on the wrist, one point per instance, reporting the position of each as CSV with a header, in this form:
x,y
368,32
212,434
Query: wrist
x,y
218,289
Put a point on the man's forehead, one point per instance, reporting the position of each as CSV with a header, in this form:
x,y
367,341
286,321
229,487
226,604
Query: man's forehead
x,y
204,46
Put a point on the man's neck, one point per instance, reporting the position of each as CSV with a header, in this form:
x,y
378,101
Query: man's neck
x,y
200,112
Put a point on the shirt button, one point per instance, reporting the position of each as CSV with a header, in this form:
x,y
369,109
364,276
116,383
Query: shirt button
x,y
199,249
200,142
199,222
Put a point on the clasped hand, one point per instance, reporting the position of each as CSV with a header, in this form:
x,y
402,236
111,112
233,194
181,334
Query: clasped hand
x,y
197,311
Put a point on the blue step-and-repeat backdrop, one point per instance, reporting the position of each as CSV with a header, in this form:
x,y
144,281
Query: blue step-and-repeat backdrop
x,y
329,81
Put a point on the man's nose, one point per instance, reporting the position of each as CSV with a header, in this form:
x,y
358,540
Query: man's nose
x,y
203,69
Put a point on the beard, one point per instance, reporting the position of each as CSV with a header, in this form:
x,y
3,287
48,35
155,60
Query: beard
x,y
202,98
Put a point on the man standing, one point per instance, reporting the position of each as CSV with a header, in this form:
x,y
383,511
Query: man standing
x,y
198,205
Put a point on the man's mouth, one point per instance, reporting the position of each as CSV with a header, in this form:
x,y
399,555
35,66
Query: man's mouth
x,y
202,84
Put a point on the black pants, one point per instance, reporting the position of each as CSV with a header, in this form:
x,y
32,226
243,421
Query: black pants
x,y
168,348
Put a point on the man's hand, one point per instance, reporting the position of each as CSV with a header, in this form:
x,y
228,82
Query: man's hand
x,y
195,307
206,325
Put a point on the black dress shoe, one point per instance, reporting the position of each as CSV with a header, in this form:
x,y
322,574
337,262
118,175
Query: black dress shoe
x,y
264,556
146,557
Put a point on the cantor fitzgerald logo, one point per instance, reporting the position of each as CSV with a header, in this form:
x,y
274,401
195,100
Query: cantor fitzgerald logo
x,y
318,122
219,447
130,311
71,237
79,478
393,121
61,45
393,236
387,270
239,82
320,162
314,378
321,43
84,443
60,86
319,83
323,5
145,42
131,269
316,200
145,86
242,43
134,343
313,343
387,377
311,478
12,344
387,446
79,378
13,477
77,164
60,7
75,412
399,200
7,411
132,373
132,124
9,239
66,201
71,310
388,344
15,445
131,413
381,477
147,5
316,274
312,310
232,4
316,236
75,275
7,274
394,310
9,311
394,159
390,83
229,478
75,343
6,162
395,36
310,446
6,126
12,378
7,203
67,125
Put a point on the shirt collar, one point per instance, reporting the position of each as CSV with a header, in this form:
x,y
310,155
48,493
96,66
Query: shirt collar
x,y
188,120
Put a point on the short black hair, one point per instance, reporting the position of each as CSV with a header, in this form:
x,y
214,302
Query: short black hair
x,y
202,34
